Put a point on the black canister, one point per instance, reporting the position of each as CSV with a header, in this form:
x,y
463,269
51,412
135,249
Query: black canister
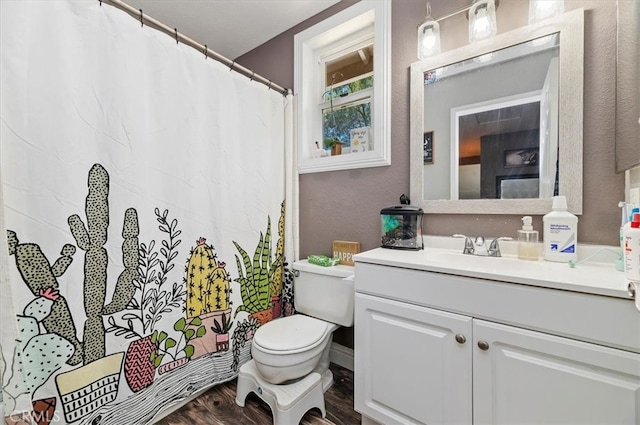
x,y
402,227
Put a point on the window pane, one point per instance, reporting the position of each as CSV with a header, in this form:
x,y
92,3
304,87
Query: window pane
x,y
349,88
349,66
338,123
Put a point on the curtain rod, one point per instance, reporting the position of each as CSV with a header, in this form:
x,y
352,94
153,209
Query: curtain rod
x,y
208,53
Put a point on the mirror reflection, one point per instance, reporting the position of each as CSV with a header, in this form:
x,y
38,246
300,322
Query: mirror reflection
x,y
491,123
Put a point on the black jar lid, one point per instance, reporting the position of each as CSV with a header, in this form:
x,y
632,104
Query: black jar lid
x,y
401,209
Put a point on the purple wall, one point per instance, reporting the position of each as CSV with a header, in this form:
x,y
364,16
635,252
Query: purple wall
x,y
346,204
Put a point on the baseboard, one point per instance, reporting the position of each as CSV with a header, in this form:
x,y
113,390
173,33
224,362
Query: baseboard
x,y
368,421
342,356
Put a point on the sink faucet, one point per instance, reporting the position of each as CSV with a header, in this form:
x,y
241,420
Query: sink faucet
x,y
469,248
478,246
494,246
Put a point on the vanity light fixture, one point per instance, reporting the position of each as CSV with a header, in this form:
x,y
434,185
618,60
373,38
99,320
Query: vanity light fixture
x,y
543,9
428,36
482,25
482,20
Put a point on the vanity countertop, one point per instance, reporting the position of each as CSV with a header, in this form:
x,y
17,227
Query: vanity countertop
x,y
599,278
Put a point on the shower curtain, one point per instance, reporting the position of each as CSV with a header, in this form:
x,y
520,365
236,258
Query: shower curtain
x,y
145,230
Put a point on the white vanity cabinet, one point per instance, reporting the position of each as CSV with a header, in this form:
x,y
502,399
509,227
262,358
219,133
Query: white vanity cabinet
x,y
520,376
409,367
435,348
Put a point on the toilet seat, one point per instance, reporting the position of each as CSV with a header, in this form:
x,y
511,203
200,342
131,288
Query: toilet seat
x,y
292,334
291,347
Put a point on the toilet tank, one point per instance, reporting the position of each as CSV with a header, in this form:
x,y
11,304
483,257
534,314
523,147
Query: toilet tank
x,y
325,293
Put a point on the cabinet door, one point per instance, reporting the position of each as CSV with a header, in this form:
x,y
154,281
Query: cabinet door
x,y
412,364
525,377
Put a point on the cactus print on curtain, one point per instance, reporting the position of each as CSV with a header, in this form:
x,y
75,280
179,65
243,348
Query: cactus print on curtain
x,y
144,222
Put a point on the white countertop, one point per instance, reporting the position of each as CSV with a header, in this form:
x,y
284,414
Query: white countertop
x,y
444,255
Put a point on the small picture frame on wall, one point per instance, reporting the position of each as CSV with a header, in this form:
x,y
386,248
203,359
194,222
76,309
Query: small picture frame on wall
x,y
427,147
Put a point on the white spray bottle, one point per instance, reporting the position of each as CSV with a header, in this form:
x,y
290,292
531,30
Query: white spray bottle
x,y
560,232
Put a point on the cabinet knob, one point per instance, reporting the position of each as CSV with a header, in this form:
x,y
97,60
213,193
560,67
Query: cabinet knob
x,y
483,345
460,338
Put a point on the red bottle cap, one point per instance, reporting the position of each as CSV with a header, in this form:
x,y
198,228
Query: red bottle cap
x,y
636,221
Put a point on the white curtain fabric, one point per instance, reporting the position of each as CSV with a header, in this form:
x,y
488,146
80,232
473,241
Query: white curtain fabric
x,y
143,194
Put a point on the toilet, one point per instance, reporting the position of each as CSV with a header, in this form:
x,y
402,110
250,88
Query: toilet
x,y
290,365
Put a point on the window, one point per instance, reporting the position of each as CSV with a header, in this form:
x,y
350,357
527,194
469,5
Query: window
x,y
346,102
342,85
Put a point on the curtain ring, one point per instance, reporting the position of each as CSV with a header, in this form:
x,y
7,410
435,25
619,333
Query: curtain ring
x,y
141,18
269,86
175,30
231,66
206,52
100,1
252,74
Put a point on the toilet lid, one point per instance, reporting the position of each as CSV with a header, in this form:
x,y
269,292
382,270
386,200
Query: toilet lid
x,y
291,333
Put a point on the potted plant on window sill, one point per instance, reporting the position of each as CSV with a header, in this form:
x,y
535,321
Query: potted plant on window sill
x,y
335,145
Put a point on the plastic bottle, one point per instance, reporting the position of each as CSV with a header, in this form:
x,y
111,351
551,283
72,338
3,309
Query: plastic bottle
x,y
625,220
632,249
627,225
560,233
527,241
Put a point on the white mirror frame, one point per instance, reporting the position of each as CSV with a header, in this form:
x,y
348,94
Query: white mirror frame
x,y
308,85
570,25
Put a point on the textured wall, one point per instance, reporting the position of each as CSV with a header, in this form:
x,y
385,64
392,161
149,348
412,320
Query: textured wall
x,y
346,204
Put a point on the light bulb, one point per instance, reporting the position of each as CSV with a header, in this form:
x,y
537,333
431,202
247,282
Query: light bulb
x,y
481,26
429,40
428,36
482,20
543,9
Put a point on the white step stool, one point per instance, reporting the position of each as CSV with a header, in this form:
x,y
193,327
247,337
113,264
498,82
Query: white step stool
x,y
288,402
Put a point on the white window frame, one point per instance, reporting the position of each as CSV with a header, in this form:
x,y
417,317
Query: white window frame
x,y
312,47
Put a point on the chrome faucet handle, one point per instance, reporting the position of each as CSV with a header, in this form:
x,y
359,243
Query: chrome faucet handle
x,y
468,243
494,246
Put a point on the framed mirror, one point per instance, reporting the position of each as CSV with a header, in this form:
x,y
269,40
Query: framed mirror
x,y
628,86
501,122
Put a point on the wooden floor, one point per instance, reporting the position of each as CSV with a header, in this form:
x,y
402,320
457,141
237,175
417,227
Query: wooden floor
x,y
218,406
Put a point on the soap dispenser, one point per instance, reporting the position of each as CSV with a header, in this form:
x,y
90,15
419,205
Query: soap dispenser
x,y
527,241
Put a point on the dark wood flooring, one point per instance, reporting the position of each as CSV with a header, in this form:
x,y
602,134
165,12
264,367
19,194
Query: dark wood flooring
x,y
218,406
